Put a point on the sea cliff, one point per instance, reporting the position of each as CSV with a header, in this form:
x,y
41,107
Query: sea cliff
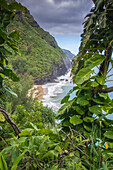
x,y
40,56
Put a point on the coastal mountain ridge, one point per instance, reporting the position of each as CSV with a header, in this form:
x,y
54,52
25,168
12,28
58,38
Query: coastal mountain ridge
x,y
40,56
69,54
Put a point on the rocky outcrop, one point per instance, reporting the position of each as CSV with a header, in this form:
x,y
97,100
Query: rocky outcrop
x,y
58,71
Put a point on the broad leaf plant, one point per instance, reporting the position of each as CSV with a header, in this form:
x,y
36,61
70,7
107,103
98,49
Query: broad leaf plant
x,y
8,45
92,69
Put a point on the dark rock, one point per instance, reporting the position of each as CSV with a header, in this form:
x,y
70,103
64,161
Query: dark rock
x,y
58,71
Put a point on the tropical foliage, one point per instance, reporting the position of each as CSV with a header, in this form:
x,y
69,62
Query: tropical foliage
x,y
7,45
40,54
88,112
81,138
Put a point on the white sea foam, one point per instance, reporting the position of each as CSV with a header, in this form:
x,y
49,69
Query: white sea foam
x,y
55,92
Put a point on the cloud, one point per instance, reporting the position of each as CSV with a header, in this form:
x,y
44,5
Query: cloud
x,y
51,1
64,29
59,16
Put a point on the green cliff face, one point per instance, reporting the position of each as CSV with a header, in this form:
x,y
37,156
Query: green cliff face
x,y
40,55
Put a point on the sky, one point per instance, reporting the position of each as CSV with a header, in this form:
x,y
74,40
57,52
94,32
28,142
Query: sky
x,y
61,18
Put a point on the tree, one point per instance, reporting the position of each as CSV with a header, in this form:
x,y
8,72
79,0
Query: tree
x,y
8,46
87,112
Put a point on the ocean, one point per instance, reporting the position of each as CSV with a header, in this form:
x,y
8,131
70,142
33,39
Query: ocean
x,y
54,92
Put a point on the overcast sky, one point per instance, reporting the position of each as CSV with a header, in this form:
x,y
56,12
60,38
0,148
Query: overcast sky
x,y
61,18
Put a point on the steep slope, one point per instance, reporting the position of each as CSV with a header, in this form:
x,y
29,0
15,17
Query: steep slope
x,y
69,54
40,55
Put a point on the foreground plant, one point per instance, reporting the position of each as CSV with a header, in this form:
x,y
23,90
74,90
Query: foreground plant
x,y
8,45
92,69
43,149
85,138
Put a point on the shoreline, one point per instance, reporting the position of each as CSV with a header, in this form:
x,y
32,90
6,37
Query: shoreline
x,y
37,91
52,79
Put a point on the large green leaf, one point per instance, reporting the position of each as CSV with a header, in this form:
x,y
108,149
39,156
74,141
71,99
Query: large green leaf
x,y
76,120
96,110
87,126
10,74
77,65
7,149
88,119
26,132
3,164
65,99
1,40
109,134
101,80
45,131
18,159
95,60
34,126
83,75
6,88
66,123
104,95
52,154
93,84
22,139
79,110
110,110
65,107
82,101
3,35
99,100
104,165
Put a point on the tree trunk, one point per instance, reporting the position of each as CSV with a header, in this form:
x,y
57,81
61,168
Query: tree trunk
x,y
10,121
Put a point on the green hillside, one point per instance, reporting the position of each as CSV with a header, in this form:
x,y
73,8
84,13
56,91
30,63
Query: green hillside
x,y
40,55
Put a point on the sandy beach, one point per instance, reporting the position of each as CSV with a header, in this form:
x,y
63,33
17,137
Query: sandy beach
x,y
37,92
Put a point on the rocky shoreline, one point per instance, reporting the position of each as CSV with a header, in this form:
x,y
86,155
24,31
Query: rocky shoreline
x,y
59,70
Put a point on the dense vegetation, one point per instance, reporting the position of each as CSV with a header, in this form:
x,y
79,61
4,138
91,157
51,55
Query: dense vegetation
x,y
84,138
40,55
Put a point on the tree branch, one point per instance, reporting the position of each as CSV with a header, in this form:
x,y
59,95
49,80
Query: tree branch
x,y
10,121
107,90
104,66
